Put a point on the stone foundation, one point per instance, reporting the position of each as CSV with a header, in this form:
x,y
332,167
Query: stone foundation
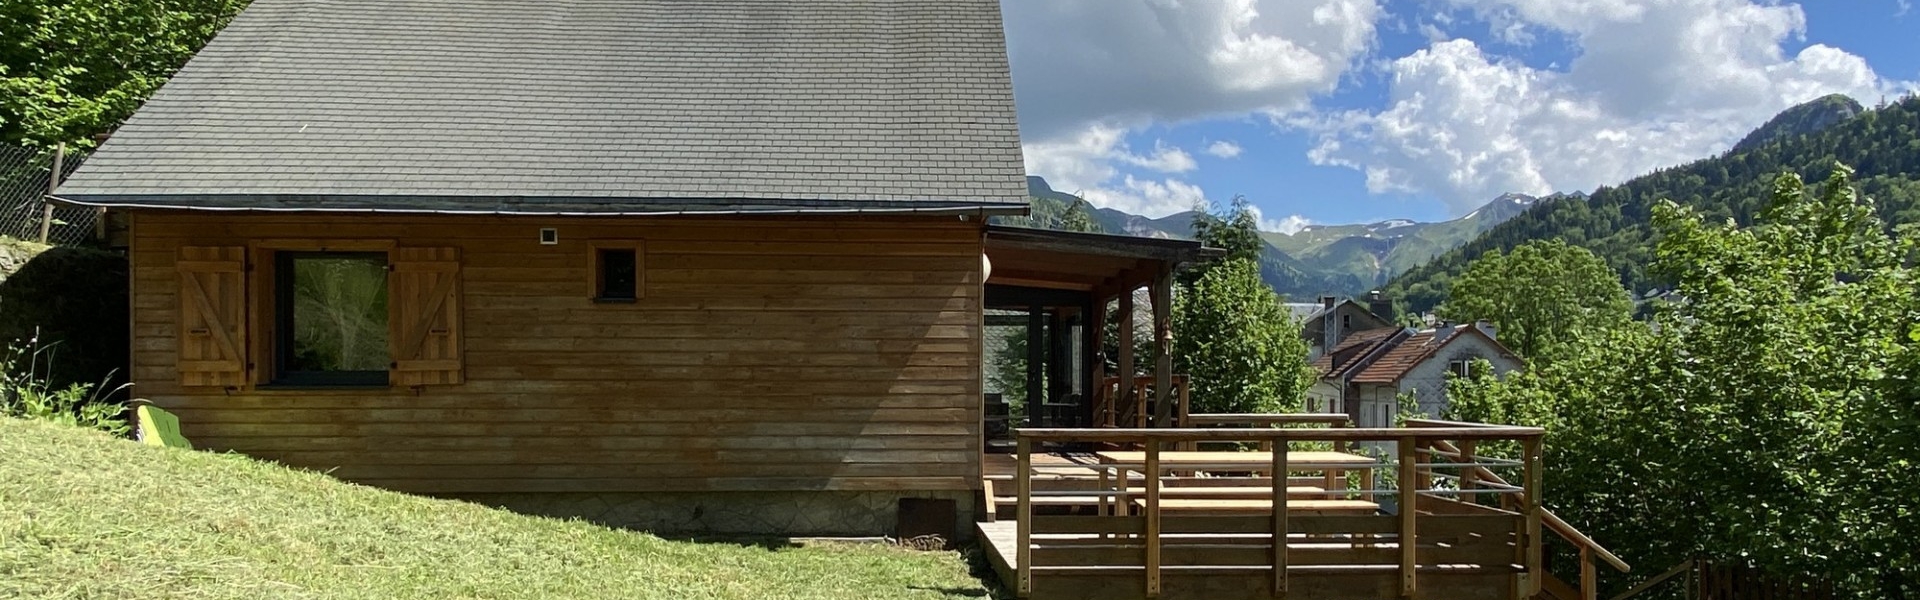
x,y
821,513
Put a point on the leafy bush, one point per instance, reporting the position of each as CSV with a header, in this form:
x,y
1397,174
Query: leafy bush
x,y
1767,419
25,392
74,302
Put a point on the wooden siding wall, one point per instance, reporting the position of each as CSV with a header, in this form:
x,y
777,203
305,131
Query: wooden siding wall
x,y
768,354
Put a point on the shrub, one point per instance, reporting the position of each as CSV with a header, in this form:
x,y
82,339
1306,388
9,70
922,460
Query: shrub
x,y
26,392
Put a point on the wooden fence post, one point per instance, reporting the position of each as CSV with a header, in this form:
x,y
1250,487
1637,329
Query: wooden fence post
x,y
1153,518
1409,499
1023,514
1280,518
1530,495
53,182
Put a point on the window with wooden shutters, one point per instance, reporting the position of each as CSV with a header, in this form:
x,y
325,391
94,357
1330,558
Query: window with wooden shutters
x,y
425,304
212,337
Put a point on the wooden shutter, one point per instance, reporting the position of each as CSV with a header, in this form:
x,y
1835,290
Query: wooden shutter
x,y
212,337
423,301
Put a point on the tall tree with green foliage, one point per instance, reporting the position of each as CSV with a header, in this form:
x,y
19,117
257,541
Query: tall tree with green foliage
x,y
70,69
1243,351
1234,229
1770,418
1545,296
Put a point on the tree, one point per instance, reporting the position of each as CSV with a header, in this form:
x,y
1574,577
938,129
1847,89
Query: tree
x,y
1234,229
1769,418
1545,296
70,69
1243,351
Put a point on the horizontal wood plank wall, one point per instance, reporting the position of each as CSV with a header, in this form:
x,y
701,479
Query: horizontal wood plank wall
x,y
766,354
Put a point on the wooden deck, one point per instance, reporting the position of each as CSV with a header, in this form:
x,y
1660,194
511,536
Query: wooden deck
x,y
1124,578
1469,538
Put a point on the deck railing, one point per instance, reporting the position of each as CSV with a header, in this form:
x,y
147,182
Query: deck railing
x,y
1256,420
1438,534
1590,552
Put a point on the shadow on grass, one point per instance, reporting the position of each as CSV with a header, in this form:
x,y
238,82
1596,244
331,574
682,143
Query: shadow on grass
x,y
981,569
768,543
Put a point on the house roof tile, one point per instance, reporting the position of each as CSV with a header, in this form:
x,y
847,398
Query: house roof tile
x,y
590,106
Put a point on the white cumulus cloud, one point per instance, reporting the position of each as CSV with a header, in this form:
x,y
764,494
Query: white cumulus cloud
x,y
1290,224
1656,82
1090,72
1224,149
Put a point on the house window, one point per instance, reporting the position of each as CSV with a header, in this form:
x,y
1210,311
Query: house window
x,y
331,318
1460,368
615,271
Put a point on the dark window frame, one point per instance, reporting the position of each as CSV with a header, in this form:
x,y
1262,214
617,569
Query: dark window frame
x,y
282,350
603,278
597,276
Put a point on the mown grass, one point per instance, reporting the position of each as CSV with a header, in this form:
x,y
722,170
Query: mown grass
x,y
83,515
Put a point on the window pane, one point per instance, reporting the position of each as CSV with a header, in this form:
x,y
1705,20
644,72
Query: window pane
x,y
618,274
339,313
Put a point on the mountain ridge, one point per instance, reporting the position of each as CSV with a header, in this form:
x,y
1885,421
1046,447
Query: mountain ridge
x,y
1317,260
1881,145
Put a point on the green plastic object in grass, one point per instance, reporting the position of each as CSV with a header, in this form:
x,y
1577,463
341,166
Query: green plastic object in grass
x,y
159,427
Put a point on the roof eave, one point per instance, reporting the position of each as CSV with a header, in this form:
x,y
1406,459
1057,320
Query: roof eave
x,y
475,205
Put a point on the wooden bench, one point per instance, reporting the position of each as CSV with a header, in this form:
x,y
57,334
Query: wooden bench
x,y
1238,507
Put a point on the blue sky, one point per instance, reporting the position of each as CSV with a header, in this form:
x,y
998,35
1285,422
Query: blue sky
x,y
1337,111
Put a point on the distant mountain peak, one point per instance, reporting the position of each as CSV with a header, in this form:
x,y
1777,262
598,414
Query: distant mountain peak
x,y
1804,118
1319,259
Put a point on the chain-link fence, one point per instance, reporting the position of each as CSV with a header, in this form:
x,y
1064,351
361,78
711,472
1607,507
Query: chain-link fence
x,y
24,211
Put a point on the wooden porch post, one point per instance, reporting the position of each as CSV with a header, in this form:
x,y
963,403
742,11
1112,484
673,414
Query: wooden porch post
x,y
1123,393
1036,359
1163,347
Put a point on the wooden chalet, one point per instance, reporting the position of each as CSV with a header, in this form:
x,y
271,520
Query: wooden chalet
x,y
724,267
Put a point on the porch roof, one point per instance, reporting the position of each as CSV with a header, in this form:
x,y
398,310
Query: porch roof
x,y
1091,262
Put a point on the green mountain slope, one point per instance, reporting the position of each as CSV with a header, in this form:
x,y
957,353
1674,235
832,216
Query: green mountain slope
x,y
1374,252
1882,145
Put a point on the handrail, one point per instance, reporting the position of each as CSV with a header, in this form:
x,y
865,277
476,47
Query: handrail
x,y
1334,419
1554,522
1249,435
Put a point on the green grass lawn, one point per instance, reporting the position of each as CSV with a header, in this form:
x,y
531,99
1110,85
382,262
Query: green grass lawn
x,y
84,515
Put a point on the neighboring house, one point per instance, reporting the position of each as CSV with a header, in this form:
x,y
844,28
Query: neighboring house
x,y
1366,375
710,266
1327,323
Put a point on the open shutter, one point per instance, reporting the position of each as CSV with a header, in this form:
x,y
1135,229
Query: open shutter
x,y
212,337
424,312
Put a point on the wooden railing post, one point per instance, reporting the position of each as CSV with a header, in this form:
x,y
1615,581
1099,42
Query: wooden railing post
x,y
1530,495
1153,518
1023,515
1589,580
1409,500
1280,518
1467,474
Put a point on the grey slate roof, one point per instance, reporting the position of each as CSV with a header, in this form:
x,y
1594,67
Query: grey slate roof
x,y
590,106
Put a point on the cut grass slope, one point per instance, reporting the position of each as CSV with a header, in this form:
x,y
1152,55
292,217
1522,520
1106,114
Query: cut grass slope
x,y
85,515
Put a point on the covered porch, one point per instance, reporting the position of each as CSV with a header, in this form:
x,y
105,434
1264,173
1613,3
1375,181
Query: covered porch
x,y
1062,329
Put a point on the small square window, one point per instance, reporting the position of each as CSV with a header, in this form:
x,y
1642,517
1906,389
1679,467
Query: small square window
x,y
330,311
619,274
615,271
